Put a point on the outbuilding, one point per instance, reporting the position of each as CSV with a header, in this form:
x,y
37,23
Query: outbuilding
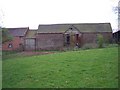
x,y
17,42
58,36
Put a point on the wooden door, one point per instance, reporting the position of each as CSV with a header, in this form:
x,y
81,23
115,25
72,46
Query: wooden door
x,y
30,44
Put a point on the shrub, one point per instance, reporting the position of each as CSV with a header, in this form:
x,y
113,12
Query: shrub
x,y
100,40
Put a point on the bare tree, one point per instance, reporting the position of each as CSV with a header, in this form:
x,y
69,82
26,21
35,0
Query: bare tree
x,y
1,17
4,33
1,22
117,11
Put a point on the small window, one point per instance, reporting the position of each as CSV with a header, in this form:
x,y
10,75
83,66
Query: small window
x,y
10,46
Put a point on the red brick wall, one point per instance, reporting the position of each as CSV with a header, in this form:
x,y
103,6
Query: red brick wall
x,y
88,38
107,36
92,37
49,41
15,44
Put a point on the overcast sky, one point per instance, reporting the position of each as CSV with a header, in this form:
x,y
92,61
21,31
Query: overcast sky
x,y
23,13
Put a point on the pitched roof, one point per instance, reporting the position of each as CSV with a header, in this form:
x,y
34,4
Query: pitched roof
x,y
54,28
31,34
18,31
82,27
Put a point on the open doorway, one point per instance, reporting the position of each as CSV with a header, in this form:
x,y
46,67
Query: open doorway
x,y
67,39
77,38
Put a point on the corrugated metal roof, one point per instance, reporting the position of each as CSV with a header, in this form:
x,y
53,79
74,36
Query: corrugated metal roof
x,y
18,31
82,27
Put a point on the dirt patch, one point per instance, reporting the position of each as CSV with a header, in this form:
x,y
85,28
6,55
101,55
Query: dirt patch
x,y
30,53
24,54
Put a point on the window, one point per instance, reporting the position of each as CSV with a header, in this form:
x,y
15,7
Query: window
x,y
10,45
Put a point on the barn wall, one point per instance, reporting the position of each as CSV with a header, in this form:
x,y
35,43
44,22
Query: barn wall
x,y
88,38
107,36
49,41
15,44
91,37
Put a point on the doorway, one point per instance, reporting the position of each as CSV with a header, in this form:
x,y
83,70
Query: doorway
x,y
68,39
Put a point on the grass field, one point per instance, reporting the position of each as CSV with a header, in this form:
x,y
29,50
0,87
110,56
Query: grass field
x,y
93,68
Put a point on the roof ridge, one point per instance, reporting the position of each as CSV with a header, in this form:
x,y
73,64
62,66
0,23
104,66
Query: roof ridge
x,y
73,23
18,28
82,27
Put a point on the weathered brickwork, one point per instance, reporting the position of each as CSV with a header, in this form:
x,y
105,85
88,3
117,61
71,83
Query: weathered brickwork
x,y
91,37
58,36
49,41
15,44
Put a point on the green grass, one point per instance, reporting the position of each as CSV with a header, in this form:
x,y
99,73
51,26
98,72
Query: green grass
x,y
95,68
18,54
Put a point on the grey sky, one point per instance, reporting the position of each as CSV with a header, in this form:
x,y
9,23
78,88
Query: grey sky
x,y
22,13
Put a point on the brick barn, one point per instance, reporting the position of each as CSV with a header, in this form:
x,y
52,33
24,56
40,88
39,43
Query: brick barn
x,y
58,36
17,42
